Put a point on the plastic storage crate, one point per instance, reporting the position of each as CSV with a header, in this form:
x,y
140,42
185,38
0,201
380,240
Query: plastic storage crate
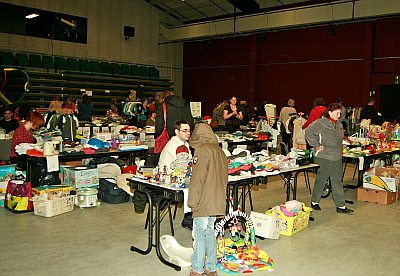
x,y
293,225
54,207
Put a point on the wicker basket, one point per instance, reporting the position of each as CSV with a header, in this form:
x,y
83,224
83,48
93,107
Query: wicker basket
x,y
54,207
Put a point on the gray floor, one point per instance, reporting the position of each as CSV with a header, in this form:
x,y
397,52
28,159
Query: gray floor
x,y
96,241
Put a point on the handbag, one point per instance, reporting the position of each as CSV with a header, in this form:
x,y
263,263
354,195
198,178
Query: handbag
x,y
163,138
18,196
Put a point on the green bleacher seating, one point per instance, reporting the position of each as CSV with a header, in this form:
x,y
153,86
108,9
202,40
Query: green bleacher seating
x,y
144,71
107,68
136,71
22,59
73,64
60,63
116,68
85,65
154,73
96,67
126,70
35,61
7,58
48,62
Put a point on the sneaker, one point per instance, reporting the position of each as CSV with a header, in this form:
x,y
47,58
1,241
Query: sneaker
x,y
210,273
344,211
315,206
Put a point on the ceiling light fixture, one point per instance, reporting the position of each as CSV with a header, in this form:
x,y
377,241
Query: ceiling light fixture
x,y
32,15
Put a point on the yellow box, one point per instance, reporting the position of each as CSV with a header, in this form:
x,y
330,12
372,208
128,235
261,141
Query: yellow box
x,y
293,225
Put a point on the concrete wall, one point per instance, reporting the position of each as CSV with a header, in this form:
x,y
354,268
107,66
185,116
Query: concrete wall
x,y
106,20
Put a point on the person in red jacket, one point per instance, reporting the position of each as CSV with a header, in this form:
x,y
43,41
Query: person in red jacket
x,y
316,113
23,134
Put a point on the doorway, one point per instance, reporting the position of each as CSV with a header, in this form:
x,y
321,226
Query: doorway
x,y
390,102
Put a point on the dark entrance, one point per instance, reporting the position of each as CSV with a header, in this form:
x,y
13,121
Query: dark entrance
x,y
390,102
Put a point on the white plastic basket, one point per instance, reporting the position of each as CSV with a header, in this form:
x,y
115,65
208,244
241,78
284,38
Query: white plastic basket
x,y
54,207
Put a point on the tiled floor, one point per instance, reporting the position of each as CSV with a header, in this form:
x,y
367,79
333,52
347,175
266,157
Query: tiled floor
x,y
96,241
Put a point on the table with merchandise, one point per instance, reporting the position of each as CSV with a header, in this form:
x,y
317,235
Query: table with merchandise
x,y
174,192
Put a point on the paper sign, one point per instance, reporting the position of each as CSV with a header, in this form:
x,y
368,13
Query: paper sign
x,y
52,163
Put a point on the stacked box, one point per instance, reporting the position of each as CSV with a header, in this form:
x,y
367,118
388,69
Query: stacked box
x,y
383,179
376,196
81,177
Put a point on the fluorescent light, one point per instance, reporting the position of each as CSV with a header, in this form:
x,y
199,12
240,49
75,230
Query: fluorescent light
x,y
32,15
72,23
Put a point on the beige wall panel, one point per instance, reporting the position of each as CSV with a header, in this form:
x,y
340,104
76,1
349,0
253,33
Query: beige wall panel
x,y
105,40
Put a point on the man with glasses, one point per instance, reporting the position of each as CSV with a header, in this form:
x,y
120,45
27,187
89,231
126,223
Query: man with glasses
x,y
169,154
181,137
8,123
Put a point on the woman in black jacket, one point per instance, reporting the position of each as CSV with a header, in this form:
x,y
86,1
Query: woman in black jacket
x,y
177,109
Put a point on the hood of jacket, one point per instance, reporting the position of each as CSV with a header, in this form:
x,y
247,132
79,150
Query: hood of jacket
x,y
175,100
202,134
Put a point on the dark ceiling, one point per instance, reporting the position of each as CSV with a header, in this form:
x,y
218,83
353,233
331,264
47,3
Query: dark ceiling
x,y
192,11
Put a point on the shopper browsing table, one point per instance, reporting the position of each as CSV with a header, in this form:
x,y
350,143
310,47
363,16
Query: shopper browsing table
x,y
23,134
207,197
325,135
232,116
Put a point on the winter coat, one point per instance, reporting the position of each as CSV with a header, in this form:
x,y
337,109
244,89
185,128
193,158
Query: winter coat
x,y
328,134
207,188
85,111
177,109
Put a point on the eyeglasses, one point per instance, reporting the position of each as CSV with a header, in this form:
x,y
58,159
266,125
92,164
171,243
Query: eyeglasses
x,y
185,130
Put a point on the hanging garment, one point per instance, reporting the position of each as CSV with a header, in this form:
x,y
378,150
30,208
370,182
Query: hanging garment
x,y
299,134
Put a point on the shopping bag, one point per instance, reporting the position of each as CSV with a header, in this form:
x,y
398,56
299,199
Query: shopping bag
x,y
161,141
18,196
163,138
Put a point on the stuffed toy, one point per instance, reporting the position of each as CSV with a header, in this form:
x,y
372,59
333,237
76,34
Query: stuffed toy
x,y
182,158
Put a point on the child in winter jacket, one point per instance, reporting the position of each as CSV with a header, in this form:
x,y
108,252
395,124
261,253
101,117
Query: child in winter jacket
x,y
207,197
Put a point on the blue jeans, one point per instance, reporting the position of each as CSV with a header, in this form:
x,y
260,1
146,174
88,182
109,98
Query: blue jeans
x,y
204,245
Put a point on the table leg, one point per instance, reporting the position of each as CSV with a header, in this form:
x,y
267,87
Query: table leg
x,y
155,224
157,237
286,178
149,229
295,184
244,197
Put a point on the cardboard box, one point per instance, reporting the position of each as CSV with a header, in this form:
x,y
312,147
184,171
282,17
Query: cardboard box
x,y
384,179
81,177
376,196
266,225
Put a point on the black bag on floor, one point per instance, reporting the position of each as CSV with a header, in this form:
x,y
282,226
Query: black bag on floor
x,y
110,193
